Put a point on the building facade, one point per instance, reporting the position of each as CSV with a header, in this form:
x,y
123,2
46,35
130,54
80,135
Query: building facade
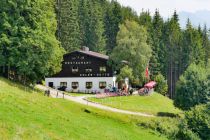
x,y
84,71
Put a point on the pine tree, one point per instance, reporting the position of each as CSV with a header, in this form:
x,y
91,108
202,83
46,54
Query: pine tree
x,y
97,40
112,20
84,19
206,43
172,40
69,33
157,60
92,25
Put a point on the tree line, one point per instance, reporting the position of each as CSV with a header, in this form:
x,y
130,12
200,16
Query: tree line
x,y
29,49
34,35
97,24
32,42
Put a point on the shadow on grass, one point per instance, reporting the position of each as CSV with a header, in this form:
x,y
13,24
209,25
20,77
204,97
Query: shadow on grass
x,y
167,114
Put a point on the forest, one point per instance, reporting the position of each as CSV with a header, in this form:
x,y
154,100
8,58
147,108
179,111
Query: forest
x,y
34,36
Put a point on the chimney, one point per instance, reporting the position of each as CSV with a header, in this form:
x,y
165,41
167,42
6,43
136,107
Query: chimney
x,y
84,48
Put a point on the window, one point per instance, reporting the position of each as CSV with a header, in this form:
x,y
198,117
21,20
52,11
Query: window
x,y
89,85
88,70
63,84
50,84
102,85
102,69
75,69
74,85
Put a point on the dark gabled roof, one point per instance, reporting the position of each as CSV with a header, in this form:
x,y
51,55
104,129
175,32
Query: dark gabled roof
x,y
99,55
95,54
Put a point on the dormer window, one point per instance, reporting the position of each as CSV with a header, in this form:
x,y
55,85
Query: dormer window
x,y
88,70
102,69
75,69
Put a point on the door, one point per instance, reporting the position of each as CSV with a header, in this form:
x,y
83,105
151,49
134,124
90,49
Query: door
x,y
50,84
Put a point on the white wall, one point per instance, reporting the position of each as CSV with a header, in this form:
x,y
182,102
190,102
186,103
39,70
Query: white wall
x,y
110,81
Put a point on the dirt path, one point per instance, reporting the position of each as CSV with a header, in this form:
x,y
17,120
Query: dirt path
x,y
82,100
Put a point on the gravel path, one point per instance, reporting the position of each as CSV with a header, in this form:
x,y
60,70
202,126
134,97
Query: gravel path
x,y
82,100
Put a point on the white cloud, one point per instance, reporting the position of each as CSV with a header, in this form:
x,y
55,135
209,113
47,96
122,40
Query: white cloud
x,y
167,7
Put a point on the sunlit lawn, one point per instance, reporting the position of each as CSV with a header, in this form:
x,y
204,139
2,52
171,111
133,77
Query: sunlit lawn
x,y
153,104
28,115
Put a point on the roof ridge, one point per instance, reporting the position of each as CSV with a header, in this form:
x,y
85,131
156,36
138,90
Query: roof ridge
x,y
96,54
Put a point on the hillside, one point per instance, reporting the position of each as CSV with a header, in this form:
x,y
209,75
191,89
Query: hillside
x,y
25,114
154,104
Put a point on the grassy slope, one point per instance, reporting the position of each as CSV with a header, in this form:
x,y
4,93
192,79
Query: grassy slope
x,y
149,104
28,115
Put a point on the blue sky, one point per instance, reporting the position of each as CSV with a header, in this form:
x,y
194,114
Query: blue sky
x,y
166,7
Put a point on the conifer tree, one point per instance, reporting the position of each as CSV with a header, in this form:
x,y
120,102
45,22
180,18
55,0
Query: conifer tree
x,y
97,39
157,61
206,43
69,33
172,39
84,19
112,20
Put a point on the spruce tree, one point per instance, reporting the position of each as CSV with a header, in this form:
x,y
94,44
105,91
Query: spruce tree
x,y
69,33
206,43
157,61
112,20
172,40
84,19
97,41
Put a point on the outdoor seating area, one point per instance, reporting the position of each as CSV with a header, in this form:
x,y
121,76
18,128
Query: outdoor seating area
x,y
111,94
147,89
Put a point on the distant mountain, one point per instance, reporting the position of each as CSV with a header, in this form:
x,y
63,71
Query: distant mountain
x,y
199,17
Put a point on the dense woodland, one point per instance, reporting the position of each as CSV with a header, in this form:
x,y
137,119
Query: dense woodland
x,y
34,35
98,25
30,51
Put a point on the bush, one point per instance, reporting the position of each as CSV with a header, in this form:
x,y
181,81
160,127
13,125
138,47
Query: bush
x,y
192,88
162,86
196,124
166,126
125,72
185,133
198,119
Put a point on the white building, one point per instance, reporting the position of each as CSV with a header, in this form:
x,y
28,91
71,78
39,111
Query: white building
x,y
83,71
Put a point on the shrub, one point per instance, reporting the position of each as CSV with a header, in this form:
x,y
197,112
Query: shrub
x,y
193,88
166,126
198,119
162,86
184,133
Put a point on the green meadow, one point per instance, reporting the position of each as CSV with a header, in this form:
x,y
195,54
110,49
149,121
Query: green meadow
x,y
28,115
154,104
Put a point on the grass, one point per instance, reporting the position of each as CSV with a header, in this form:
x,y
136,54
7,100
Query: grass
x,y
154,104
29,115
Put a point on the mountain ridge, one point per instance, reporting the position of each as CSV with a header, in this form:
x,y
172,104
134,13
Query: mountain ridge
x,y
197,18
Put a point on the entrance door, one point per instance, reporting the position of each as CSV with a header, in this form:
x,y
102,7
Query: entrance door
x,y
50,84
